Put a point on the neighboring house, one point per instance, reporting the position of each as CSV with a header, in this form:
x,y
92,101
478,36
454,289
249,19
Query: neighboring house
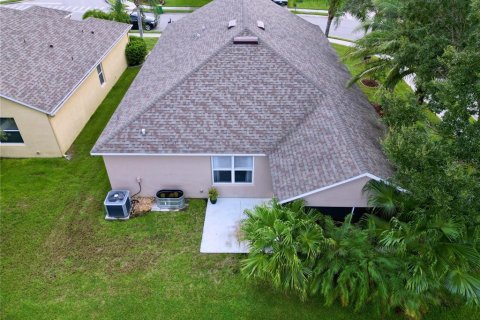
x,y
247,97
54,73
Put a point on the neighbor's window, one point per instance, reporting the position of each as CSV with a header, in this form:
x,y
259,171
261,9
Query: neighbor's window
x,y
9,131
100,73
227,169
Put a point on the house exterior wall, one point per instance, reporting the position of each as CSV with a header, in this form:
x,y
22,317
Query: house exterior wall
x,y
192,174
74,114
38,136
345,195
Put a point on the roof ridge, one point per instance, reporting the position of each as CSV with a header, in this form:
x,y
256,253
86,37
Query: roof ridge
x,y
358,161
287,61
173,86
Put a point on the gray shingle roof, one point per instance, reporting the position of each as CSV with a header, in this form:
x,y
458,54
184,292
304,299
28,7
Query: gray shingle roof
x,y
38,75
285,97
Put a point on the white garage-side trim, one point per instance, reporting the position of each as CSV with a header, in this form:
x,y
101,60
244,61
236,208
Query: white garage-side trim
x,y
367,175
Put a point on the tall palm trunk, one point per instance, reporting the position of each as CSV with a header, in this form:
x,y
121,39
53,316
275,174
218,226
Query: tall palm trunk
x,y
331,15
140,22
137,4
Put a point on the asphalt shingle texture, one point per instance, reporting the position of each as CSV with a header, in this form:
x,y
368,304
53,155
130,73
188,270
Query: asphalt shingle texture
x,y
45,55
285,97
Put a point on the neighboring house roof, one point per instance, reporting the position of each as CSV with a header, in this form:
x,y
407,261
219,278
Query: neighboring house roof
x,y
286,97
45,55
49,12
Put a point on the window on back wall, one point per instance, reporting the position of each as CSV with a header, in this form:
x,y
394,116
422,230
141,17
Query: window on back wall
x,y
228,169
101,76
9,131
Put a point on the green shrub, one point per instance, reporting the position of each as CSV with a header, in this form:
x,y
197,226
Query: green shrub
x,y
136,51
97,14
213,194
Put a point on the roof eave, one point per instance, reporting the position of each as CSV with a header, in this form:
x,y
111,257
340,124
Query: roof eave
x,y
363,175
70,93
23,103
119,154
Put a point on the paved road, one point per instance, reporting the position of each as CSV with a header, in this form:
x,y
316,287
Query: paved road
x,y
346,29
77,7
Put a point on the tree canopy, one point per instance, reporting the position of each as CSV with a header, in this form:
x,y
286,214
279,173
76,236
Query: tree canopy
x,y
419,246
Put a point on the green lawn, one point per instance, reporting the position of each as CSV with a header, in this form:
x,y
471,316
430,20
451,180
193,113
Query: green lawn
x,y
402,89
9,1
355,66
308,4
61,260
151,42
186,3
310,13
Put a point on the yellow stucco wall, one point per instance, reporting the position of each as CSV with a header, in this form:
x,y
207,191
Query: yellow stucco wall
x,y
69,121
46,136
39,139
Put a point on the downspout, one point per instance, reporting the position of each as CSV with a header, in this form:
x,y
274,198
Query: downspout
x,y
49,117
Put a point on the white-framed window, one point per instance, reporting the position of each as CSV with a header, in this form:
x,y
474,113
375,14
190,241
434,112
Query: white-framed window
x,y
101,76
9,131
232,169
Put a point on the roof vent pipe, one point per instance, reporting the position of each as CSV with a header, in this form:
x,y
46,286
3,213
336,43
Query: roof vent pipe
x,y
232,23
245,40
143,131
260,24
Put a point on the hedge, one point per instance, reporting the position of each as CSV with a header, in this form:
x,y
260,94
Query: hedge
x,y
136,51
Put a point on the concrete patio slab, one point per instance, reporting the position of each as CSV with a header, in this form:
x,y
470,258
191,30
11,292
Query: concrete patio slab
x,y
222,224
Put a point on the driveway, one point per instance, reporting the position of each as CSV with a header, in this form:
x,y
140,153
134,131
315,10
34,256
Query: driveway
x,y
221,229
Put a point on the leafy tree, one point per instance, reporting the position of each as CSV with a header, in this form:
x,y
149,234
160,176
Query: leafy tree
x,y
409,36
118,12
457,97
95,13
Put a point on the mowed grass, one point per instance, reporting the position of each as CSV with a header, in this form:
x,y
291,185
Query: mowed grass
x,y
61,260
308,4
186,3
355,66
150,42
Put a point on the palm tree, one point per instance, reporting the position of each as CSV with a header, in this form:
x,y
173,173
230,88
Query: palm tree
x,y
285,242
351,270
436,255
118,12
334,9
383,197
358,8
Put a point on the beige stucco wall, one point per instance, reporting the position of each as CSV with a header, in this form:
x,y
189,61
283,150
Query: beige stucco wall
x,y
74,114
192,174
39,139
345,195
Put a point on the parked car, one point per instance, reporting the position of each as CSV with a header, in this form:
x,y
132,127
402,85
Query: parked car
x,y
281,2
150,21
